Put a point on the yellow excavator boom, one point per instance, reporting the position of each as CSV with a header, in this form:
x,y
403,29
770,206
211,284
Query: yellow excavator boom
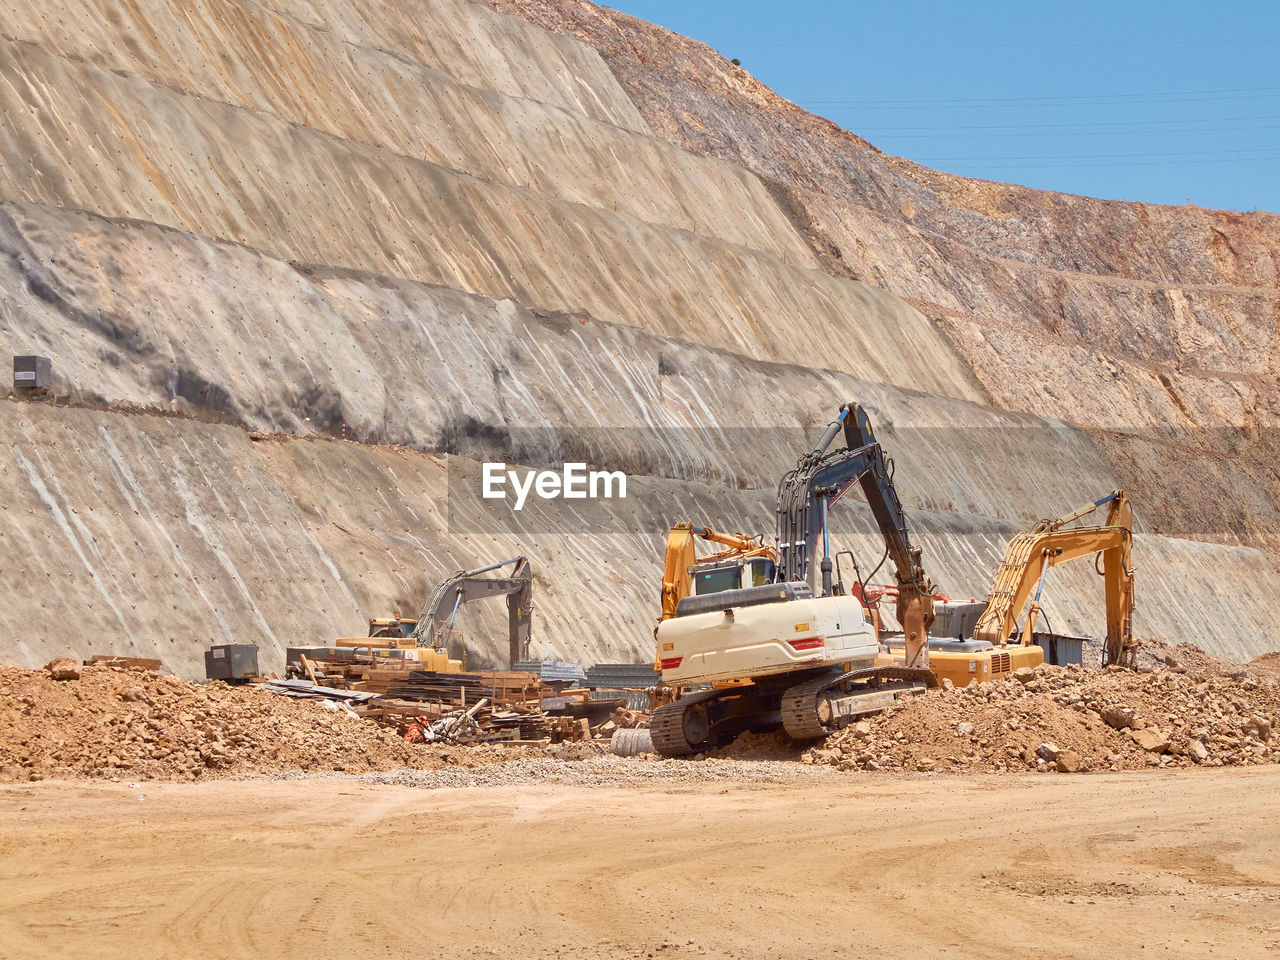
x,y
1031,554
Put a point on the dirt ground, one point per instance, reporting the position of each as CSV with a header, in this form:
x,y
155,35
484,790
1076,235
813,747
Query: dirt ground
x,y
1166,863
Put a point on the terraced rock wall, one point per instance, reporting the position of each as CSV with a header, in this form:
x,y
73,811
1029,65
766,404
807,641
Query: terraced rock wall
x,y
1140,321
244,230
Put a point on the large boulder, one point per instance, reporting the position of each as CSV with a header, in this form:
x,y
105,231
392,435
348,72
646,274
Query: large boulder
x,y
1150,740
1118,717
63,668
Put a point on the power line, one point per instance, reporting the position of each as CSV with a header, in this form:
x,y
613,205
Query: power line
x,y
1014,132
810,45
982,163
1109,163
1104,156
1179,96
1057,126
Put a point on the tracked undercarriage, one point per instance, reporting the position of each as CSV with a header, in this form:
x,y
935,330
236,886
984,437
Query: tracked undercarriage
x,y
819,704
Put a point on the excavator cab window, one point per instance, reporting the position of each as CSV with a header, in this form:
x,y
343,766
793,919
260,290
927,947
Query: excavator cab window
x,y
759,571
717,579
398,629
732,575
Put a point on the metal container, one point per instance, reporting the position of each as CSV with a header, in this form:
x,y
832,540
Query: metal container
x,y
1060,650
231,661
955,621
32,373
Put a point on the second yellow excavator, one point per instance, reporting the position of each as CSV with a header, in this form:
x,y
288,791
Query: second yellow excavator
x,y
994,646
1032,554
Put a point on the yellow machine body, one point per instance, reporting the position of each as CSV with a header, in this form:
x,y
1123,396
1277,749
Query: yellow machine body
x,y
388,634
977,666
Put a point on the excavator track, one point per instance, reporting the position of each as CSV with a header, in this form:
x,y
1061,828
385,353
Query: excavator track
x,y
670,726
820,707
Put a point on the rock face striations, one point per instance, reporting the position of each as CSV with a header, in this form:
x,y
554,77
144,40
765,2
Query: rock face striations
x,y
489,231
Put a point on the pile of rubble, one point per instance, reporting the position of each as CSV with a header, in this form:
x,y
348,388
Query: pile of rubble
x,y
509,706
1266,665
1069,719
100,720
1155,654
119,719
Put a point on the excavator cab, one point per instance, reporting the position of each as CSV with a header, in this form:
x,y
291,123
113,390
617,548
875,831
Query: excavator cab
x,y
392,627
716,577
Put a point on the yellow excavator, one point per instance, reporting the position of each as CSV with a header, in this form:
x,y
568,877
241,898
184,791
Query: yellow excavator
x,y
1030,555
992,646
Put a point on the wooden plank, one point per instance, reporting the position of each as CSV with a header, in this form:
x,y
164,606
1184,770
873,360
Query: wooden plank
x,y
132,663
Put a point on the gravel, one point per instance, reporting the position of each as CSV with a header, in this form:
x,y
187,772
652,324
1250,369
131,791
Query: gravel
x,y
603,771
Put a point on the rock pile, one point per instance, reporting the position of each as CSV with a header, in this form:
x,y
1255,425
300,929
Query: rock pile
x,y
1155,654
103,721
1068,719
1266,665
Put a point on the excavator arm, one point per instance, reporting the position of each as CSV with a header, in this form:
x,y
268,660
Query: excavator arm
x,y
805,496
1032,554
436,622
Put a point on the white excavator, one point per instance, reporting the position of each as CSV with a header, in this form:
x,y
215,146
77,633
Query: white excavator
x,y
784,643
798,652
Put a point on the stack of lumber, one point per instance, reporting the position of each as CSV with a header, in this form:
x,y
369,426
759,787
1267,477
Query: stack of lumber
x,y
461,688
344,670
380,676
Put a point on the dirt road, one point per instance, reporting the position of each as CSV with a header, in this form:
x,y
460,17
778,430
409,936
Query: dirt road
x,y
1118,865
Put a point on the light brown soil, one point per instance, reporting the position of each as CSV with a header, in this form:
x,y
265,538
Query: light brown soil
x,y
1099,716
113,722
1267,664
1182,864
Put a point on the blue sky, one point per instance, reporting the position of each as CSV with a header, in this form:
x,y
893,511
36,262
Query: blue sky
x,y
1170,102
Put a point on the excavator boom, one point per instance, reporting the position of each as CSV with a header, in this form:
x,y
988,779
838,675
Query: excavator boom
x,y
436,621
805,496
1051,542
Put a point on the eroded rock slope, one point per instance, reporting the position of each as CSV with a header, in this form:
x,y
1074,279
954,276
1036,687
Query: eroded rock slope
x,y
454,230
